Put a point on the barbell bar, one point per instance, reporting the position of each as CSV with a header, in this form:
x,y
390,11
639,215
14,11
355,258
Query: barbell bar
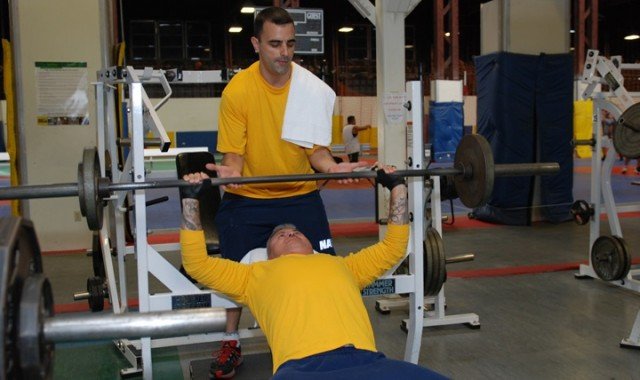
x,y
29,329
160,324
473,172
61,190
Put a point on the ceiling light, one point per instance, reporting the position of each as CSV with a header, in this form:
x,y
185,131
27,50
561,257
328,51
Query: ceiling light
x,y
408,46
631,37
235,29
345,29
247,10
572,31
447,34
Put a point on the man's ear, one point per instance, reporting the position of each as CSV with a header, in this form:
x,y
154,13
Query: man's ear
x,y
256,43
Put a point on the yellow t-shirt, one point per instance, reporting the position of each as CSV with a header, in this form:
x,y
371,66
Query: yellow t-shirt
x,y
305,304
250,124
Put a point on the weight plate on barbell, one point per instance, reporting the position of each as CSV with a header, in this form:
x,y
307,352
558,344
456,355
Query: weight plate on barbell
x,y
626,141
91,203
475,159
19,258
609,258
631,117
36,305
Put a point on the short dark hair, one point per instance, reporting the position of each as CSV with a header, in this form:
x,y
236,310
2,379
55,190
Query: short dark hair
x,y
351,119
279,228
276,15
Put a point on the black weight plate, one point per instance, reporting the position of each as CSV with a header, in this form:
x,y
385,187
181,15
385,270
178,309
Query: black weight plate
x,y
626,256
36,305
95,288
439,264
435,257
427,265
89,191
447,188
581,212
631,117
431,258
97,256
607,258
19,258
475,159
626,141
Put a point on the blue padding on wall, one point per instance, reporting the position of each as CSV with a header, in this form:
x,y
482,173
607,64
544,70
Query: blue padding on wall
x,y
445,129
525,110
554,116
199,138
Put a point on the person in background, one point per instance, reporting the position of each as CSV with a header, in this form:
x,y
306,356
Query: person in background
x,y
350,138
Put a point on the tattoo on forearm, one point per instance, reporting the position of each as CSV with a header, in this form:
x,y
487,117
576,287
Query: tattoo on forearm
x,y
398,211
191,215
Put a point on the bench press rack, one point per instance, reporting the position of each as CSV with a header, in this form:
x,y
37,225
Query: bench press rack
x,y
143,120
601,70
420,195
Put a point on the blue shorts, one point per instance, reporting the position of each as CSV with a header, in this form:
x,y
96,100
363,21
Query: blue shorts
x,y
246,223
351,363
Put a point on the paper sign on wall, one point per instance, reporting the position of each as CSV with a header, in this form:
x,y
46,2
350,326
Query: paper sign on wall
x,y
62,93
392,106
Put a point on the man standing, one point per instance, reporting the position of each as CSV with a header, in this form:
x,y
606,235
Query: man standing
x,y
258,108
350,138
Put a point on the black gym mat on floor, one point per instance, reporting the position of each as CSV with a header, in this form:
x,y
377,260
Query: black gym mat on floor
x,y
254,367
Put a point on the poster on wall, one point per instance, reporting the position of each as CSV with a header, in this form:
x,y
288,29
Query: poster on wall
x,y
393,107
62,93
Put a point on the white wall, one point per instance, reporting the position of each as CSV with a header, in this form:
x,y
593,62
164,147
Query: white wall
x,y
525,26
184,114
54,31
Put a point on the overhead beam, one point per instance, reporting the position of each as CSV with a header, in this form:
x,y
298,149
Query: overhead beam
x,y
586,30
366,9
447,48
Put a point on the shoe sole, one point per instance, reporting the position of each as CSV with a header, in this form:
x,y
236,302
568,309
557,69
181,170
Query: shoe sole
x,y
228,375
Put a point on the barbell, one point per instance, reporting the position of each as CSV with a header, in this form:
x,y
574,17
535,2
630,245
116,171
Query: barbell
x,y
473,172
29,330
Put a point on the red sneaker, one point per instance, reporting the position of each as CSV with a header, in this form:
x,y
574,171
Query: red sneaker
x,y
227,359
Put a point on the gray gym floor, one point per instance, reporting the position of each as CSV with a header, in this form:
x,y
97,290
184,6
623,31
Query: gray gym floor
x,y
539,325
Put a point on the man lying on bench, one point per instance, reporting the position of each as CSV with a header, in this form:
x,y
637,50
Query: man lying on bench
x,y
309,306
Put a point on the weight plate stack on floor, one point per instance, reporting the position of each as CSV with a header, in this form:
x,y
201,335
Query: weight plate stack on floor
x,y
610,258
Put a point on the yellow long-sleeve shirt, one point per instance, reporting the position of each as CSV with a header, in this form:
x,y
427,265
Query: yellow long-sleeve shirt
x,y
305,304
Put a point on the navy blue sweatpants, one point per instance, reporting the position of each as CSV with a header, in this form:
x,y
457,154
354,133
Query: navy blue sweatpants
x,y
348,363
246,223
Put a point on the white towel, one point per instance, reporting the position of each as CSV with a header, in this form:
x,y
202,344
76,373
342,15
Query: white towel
x,y
309,110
